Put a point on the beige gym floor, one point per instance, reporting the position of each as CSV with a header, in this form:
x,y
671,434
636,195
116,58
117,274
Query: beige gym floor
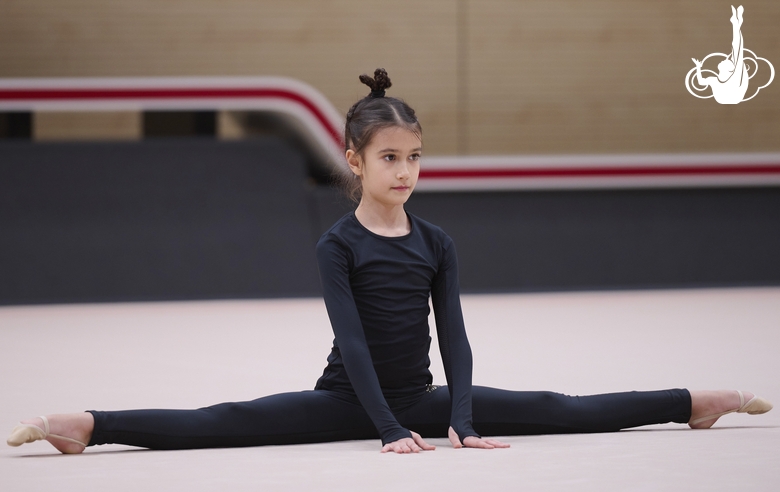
x,y
64,358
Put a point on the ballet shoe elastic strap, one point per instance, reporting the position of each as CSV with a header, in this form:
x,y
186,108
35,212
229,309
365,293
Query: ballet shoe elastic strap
x,y
48,434
719,415
761,406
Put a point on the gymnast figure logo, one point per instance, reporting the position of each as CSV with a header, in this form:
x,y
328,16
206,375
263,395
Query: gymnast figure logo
x,y
730,84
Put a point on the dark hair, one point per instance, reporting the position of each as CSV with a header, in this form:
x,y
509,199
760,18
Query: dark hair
x,y
369,115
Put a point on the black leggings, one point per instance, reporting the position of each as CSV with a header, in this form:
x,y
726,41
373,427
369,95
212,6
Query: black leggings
x,y
321,416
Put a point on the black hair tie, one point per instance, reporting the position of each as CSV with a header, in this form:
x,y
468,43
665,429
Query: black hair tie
x,y
377,94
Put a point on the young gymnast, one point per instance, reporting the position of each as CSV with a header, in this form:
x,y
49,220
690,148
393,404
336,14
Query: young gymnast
x,y
379,266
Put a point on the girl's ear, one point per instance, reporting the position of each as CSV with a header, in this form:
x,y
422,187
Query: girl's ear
x,y
354,161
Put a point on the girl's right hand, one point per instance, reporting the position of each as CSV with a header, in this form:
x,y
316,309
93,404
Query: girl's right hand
x,y
408,445
474,441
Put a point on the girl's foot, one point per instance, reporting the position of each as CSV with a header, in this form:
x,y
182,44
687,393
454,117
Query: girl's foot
x,y
704,403
76,426
736,16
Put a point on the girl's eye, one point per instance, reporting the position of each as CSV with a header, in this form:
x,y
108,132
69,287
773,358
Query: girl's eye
x,y
414,157
390,157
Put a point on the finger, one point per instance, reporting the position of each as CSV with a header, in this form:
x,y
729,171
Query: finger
x,y
421,442
401,446
396,447
475,442
496,443
410,444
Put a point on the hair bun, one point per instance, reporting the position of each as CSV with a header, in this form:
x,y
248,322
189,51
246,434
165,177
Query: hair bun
x,y
378,84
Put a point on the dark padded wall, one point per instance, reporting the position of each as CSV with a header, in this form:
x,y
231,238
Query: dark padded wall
x,y
612,239
166,219
201,219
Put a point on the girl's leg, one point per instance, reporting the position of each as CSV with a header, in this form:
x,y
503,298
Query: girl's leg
x,y
287,418
502,412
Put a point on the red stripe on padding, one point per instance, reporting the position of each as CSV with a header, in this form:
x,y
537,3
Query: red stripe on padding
x,y
598,171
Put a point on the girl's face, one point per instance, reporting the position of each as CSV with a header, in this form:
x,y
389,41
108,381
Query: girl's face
x,y
389,166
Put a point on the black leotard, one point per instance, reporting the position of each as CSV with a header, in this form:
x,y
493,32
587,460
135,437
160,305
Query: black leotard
x,y
376,290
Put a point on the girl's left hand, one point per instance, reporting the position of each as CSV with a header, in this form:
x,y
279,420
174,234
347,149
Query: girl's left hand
x,y
474,441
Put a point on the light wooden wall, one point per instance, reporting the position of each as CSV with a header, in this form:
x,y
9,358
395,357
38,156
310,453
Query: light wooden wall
x,y
486,77
608,76
109,125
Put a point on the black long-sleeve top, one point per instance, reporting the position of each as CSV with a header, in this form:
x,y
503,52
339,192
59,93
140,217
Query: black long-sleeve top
x,y
376,291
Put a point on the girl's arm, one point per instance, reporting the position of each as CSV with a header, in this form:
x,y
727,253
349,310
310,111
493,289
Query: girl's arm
x,y
453,343
701,80
348,329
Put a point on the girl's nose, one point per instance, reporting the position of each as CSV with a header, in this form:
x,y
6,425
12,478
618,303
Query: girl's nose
x,y
403,172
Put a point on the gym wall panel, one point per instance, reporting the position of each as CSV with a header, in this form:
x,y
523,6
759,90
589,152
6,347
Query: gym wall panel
x,y
178,218
199,218
324,43
487,76
610,239
608,76
88,125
